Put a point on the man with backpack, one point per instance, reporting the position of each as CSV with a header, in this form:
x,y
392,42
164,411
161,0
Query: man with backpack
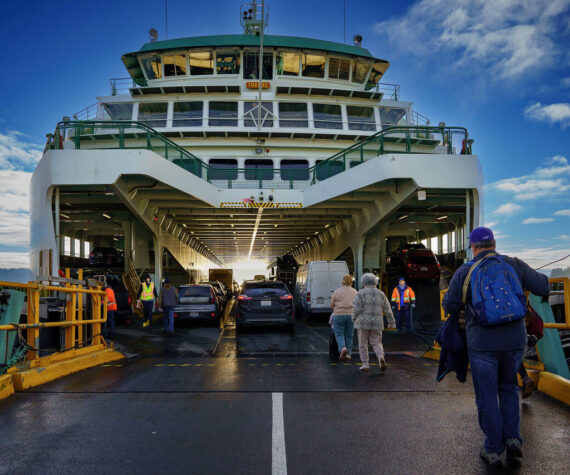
x,y
488,292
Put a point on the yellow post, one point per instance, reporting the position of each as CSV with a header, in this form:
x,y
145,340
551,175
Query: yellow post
x,y
33,334
80,311
70,317
96,312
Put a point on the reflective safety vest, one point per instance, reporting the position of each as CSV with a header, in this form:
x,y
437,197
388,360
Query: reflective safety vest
x,y
111,301
147,291
409,296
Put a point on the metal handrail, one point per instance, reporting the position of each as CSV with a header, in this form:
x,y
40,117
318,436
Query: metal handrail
x,y
375,144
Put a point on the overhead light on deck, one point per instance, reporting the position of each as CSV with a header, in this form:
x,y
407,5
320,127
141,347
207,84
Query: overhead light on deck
x,y
441,218
64,216
327,225
421,195
184,225
106,215
191,232
275,225
403,217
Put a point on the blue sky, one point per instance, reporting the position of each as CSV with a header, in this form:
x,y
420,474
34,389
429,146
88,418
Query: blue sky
x,y
499,68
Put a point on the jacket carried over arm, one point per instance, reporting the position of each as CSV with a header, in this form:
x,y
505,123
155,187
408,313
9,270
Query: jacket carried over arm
x,y
370,305
509,336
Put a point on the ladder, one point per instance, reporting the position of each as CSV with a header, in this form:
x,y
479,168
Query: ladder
x,y
132,281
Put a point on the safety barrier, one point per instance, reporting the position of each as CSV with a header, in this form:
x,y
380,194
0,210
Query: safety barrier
x,y
83,344
118,134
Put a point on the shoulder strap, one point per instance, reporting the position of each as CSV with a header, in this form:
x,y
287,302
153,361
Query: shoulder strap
x,y
468,278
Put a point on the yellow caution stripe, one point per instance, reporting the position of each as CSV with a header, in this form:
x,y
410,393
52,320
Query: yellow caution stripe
x,y
239,204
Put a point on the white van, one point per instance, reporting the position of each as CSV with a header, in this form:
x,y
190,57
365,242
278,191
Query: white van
x,y
316,281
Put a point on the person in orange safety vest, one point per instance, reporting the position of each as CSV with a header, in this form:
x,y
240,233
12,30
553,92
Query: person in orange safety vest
x,y
403,300
111,309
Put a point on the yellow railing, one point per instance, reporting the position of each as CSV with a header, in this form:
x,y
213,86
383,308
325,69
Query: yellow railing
x,y
74,317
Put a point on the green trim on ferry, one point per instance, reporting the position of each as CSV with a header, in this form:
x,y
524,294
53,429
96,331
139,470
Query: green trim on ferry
x,y
274,41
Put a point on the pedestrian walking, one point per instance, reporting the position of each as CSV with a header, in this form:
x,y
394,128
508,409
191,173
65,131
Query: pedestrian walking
x,y
111,309
147,294
370,304
167,300
342,304
403,301
489,292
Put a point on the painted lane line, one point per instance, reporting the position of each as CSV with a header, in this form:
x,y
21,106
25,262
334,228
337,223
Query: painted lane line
x,y
278,456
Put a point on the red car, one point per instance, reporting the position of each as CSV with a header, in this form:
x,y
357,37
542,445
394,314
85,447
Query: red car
x,y
421,264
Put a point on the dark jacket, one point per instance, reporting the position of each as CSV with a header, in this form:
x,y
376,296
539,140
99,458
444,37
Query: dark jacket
x,y
509,336
168,296
453,356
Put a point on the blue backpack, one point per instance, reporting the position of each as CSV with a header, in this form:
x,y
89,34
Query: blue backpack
x,y
496,293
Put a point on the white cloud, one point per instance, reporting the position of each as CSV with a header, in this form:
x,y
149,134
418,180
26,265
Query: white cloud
x,y
562,212
565,82
505,39
548,180
552,113
508,208
537,257
14,260
562,237
14,209
492,224
17,153
537,220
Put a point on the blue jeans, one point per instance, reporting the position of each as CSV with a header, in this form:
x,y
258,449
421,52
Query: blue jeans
x,y
168,319
494,375
343,331
148,306
403,318
110,321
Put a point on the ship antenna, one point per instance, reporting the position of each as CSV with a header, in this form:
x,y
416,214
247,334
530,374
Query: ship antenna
x,y
261,28
166,18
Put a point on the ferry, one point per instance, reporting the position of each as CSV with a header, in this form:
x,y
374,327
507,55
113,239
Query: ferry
x,y
218,150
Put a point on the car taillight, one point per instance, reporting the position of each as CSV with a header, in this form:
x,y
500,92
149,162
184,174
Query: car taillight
x,y
175,315
308,296
244,297
410,266
129,299
213,314
212,296
286,297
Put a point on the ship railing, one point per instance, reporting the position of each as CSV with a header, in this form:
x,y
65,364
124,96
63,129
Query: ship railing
x,y
88,113
121,85
419,119
138,135
390,91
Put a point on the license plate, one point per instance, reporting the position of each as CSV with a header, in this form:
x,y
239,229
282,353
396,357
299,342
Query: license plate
x,y
266,303
194,314
320,300
423,269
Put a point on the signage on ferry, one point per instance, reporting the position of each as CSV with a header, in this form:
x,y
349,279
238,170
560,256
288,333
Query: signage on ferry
x,y
255,85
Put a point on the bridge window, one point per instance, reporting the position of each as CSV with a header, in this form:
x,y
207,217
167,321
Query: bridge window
x,y
339,69
327,116
251,65
201,63
287,64
187,114
293,114
227,63
360,71
327,168
153,113
360,118
175,65
223,169
117,111
294,170
375,75
251,114
223,114
258,169
314,65
391,116
152,67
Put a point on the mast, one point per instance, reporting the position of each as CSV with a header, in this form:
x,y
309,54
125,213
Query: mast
x,y
261,27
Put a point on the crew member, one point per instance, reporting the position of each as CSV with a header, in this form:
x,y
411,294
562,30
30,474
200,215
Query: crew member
x,y
167,300
147,294
111,309
403,299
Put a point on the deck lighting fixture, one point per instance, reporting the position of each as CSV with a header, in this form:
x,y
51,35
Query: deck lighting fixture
x,y
327,225
106,215
441,218
191,232
403,217
421,195
275,225
64,216
184,225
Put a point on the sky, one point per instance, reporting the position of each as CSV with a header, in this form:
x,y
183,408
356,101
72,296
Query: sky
x,y
500,68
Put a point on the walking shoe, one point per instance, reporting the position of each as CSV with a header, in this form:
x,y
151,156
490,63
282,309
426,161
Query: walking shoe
x,y
528,387
514,448
365,367
145,324
343,353
348,357
382,364
493,459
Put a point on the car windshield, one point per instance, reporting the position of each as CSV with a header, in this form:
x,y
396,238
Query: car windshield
x,y
265,290
195,291
423,259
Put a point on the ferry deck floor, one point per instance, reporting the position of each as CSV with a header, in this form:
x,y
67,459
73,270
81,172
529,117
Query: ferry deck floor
x,y
211,401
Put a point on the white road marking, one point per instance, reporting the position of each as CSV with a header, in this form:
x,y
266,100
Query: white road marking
x,y
278,457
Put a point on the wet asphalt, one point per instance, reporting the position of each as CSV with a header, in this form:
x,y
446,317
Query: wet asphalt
x,y
201,402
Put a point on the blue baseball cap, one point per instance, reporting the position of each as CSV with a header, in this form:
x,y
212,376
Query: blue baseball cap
x,y
401,278
167,280
480,235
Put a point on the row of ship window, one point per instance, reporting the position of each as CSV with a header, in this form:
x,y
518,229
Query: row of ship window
x,y
263,169
227,114
246,63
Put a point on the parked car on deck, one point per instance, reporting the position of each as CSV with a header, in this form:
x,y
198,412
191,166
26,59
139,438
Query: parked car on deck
x,y
265,302
197,302
219,289
106,257
421,264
